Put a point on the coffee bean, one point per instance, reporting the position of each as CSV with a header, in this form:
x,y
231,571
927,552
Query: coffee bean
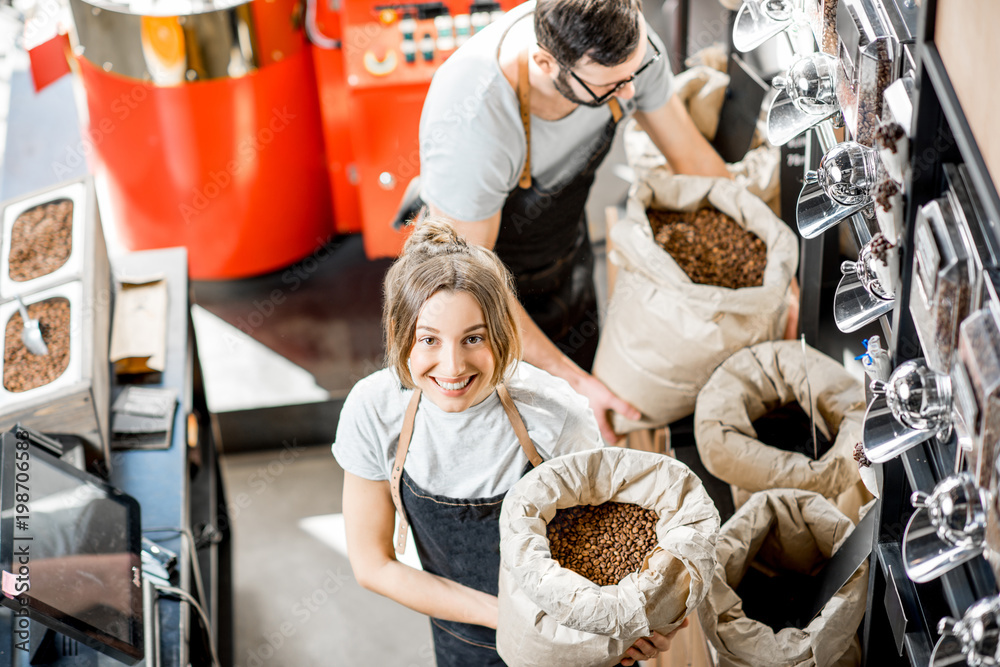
x,y
41,240
617,537
885,190
710,247
830,27
888,135
23,370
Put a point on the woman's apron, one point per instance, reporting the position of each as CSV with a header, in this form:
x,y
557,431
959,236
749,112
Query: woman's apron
x,y
458,539
544,241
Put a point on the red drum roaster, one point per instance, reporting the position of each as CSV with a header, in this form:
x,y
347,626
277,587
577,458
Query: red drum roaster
x,y
205,121
209,120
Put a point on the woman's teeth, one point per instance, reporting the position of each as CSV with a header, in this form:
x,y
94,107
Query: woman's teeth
x,y
453,386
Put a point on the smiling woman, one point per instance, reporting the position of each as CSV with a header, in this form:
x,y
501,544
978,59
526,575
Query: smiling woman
x,y
450,362
441,434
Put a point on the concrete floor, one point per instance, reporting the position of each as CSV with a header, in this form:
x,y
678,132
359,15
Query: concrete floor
x,y
296,601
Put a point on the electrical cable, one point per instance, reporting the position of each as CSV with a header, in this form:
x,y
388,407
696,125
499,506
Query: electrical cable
x,y
199,585
187,597
192,551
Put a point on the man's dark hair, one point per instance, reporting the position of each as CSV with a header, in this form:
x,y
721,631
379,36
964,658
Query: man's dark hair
x,y
607,31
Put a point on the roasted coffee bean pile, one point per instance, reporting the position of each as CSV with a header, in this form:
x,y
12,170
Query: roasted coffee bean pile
x,y
830,26
888,134
603,543
23,370
41,240
884,192
870,101
710,247
860,457
880,248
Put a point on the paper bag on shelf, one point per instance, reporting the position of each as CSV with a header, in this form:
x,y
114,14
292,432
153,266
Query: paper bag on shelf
x,y
139,327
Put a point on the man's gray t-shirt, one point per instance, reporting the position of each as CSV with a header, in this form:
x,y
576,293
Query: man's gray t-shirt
x,y
472,145
469,454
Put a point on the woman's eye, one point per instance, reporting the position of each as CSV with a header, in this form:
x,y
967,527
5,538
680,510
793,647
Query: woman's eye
x,y
475,340
428,340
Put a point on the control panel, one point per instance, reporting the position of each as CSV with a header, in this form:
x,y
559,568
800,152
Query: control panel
x,y
396,44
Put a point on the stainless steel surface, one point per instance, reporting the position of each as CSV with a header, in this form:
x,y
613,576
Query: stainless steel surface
x,y
925,555
848,173
919,397
31,333
948,653
957,509
854,306
178,43
84,209
754,25
884,438
785,121
810,82
977,632
816,212
865,270
78,314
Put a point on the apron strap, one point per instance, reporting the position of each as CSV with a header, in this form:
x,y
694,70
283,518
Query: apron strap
x,y
616,109
397,469
404,444
518,424
524,102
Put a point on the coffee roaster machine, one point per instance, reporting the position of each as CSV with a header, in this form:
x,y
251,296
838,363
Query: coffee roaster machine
x,y
252,131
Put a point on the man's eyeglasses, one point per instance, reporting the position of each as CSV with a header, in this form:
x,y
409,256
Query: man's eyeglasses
x,y
601,99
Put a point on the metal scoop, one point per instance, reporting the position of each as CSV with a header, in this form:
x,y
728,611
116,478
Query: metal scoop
x,y
31,335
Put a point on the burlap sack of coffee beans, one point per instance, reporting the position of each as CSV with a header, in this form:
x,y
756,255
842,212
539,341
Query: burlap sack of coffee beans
x,y
757,380
663,334
550,615
790,534
702,90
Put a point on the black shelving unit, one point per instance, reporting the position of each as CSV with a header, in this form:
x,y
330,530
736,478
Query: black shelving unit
x,y
897,607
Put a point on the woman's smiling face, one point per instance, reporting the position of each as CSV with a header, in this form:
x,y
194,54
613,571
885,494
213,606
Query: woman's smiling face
x,y
451,360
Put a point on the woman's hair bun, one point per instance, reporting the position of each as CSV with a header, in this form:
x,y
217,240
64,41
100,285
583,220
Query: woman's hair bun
x,y
434,236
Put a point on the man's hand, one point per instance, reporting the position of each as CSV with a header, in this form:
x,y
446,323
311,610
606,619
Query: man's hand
x,y
649,647
603,402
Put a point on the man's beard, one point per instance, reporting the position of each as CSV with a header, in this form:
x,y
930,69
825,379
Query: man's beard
x,y
562,85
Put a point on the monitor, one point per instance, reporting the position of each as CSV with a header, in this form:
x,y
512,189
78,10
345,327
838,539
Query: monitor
x,y
69,549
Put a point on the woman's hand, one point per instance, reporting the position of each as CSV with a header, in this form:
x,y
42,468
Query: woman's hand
x,y
649,647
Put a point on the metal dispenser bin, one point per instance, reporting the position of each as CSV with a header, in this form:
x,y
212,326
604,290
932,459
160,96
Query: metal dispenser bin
x,y
942,287
869,55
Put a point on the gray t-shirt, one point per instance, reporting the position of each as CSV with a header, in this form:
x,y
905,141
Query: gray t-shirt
x,y
472,145
469,454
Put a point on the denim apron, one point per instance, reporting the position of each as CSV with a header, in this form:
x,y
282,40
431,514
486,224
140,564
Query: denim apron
x,y
458,539
544,241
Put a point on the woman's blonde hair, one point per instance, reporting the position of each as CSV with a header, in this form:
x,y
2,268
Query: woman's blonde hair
x,y
436,258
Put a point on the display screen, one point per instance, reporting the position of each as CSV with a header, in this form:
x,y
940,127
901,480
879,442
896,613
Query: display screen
x,y
81,564
82,544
